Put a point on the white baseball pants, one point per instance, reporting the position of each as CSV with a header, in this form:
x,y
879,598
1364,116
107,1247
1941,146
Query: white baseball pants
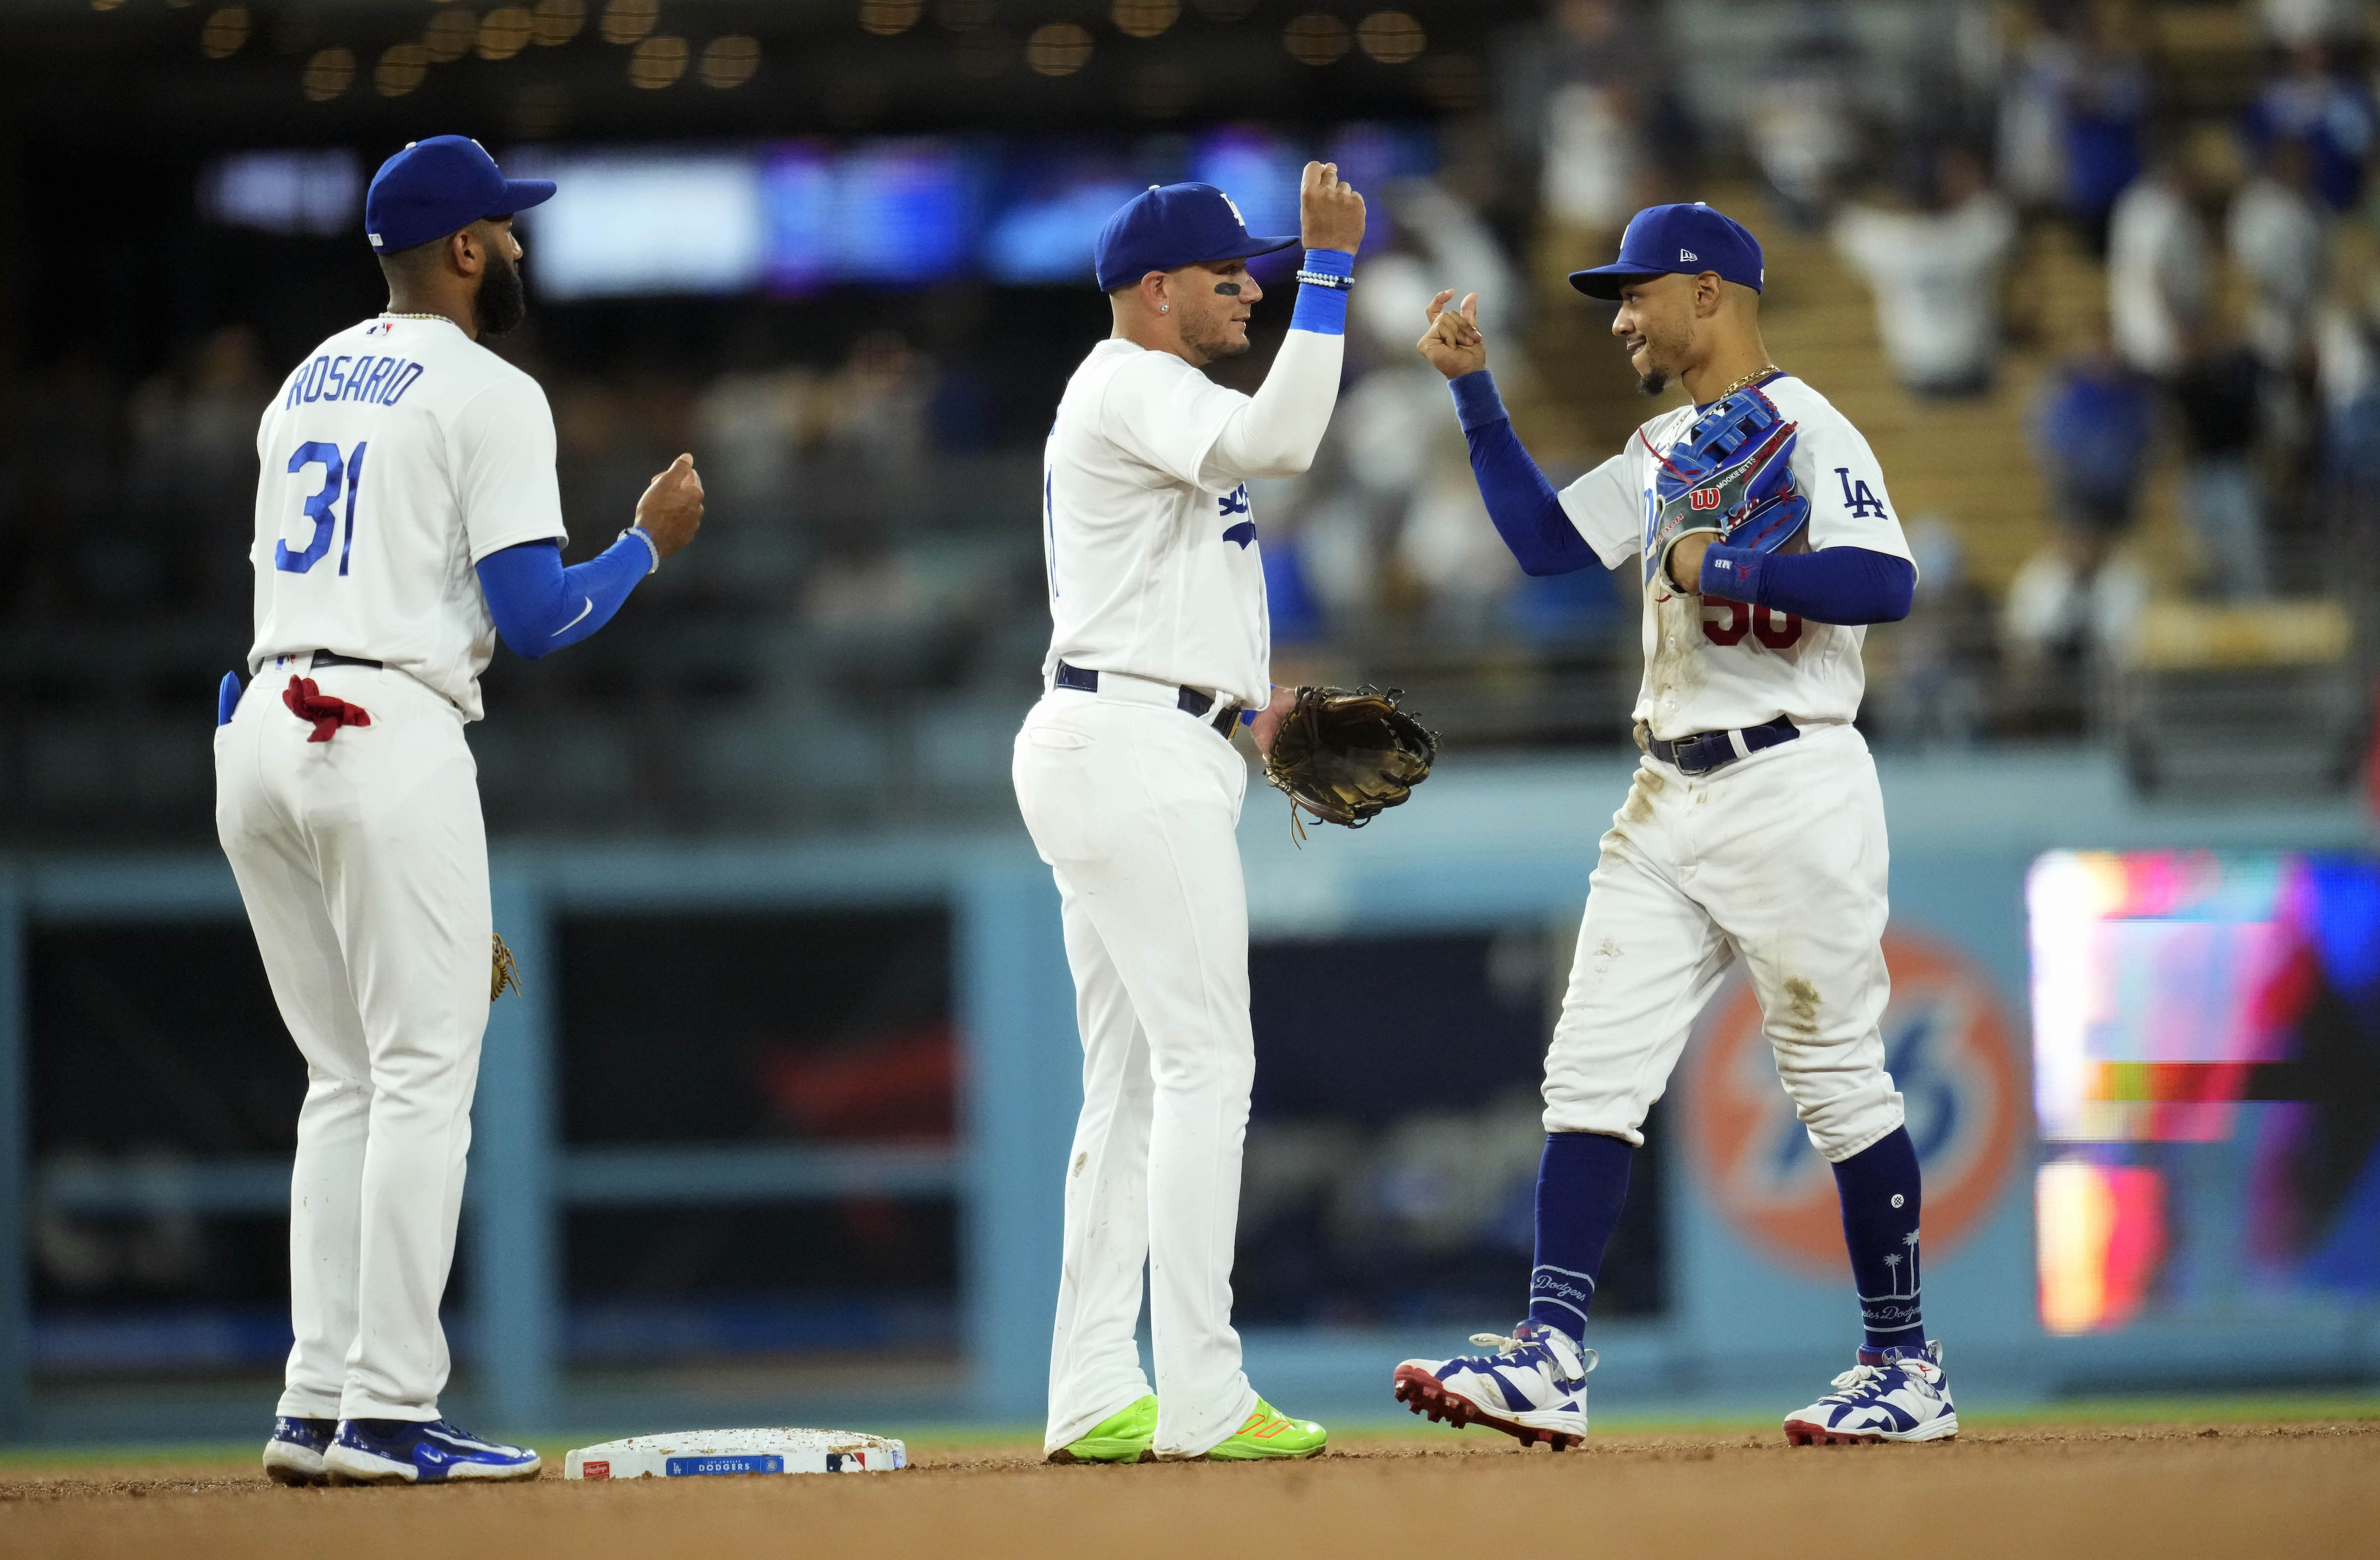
x,y
1778,859
1134,805
364,867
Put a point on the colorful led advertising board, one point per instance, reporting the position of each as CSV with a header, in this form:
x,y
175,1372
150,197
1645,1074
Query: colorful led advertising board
x,y
2206,1084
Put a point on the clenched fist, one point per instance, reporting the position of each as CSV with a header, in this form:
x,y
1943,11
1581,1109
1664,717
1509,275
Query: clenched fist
x,y
671,511
1329,214
1453,343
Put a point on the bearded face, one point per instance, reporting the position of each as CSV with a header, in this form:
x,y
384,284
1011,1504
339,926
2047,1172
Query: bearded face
x,y
503,299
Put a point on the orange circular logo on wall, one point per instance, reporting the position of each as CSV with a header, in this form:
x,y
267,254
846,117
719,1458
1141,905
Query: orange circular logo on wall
x,y
1947,1046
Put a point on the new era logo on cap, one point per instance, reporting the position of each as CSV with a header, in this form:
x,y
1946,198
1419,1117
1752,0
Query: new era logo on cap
x,y
1702,240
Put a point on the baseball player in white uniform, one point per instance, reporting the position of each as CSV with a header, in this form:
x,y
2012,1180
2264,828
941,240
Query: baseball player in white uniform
x,y
406,512
1129,782
1754,830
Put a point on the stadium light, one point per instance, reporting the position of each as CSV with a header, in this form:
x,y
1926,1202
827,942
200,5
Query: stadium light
x,y
1058,48
657,62
625,21
505,32
558,21
1143,18
328,73
730,61
1316,38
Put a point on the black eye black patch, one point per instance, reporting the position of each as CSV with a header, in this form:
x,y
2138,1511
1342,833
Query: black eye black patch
x,y
1227,289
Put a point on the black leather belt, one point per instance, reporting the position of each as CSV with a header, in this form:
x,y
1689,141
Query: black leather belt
x,y
327,658
1706,751
1190,700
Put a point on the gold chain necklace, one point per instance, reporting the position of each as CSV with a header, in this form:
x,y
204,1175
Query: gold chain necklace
x,y
1761,372
387,314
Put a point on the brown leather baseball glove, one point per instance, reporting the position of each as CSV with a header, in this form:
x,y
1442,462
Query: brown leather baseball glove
x,y
1345,756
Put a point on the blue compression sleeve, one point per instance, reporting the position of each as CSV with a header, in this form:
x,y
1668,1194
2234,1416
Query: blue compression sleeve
x,y
1527,511
1323,310
1842,585
539,606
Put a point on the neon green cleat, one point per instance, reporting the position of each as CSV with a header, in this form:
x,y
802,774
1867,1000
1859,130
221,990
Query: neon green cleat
x,y
1269,1434
1123,1437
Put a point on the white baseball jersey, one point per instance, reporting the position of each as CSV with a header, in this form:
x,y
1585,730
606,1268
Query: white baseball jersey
x,y
398,454
1715,666
1153,565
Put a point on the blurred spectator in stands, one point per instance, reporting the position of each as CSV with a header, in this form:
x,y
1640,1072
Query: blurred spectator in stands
x,y
2352,476
1798,121
2160,272
2104,113
2294,23
2218,396
1934,694
2277,237
1593,165
1935,272
2037,74
877,408
606,455
751,429
1611,75
1397,484
2092,422
2333,115
2345,360
1450,545
190,481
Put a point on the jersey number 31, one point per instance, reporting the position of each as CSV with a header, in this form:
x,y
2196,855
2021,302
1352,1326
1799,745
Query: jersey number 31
x,y
337,471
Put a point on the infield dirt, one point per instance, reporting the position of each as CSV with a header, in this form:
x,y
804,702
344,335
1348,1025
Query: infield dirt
x,y
2304,1491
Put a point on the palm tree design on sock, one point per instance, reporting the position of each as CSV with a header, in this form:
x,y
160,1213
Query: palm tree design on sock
x,y
1896,1308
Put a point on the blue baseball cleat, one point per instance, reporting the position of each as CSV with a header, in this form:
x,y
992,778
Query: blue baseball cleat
x,y
294,1455
1892,1395
421,1452
1533,1387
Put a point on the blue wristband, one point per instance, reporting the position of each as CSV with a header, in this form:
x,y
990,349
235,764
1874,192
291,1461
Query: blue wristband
x,y
1476,400
1321,308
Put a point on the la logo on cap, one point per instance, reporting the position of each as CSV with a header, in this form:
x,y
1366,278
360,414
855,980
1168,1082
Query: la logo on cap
x,y
1235,210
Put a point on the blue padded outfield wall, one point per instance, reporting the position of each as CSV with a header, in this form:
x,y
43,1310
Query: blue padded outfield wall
x,y
1759,1306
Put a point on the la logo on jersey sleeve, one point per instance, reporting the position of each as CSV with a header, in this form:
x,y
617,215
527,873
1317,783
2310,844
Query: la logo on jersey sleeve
x,y
1859,500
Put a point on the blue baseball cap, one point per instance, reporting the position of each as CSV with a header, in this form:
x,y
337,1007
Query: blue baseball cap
x,y
1683,239
1167,226
440,186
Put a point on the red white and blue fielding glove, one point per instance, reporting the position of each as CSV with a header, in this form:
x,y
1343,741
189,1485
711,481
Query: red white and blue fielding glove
x,y
1729,476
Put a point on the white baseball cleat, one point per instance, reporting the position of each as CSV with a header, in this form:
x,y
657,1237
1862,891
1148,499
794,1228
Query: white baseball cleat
x,y
1533,1387
1892,1395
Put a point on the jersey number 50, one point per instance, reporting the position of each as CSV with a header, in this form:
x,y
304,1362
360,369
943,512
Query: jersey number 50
x,y
1775,629
337,471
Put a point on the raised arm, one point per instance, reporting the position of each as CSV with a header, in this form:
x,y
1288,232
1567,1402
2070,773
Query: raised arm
x,y
1278,432
1527,511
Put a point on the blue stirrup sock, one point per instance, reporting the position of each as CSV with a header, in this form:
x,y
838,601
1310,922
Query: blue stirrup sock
x,y
1882,1197
1582,1182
